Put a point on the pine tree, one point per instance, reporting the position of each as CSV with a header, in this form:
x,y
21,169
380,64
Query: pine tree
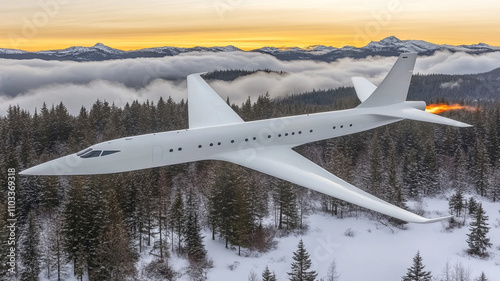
x,y
93,213
194,241
267,275
341,164
114,257
477,238
264,107
375,172
141,206
446,274
243,223
460,175
456,203
416,272
410,174
223,203
394,189
482,277
300,266
481,168
73,229
472,206
52,254
333,275
286,204
50,198
429,168
30,252
177,219
494,192
246,110
163,183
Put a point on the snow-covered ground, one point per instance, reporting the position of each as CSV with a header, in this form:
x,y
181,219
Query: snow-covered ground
x,y
376,252
373,252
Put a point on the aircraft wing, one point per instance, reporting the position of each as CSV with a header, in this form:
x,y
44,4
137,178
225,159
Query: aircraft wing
x,y
286,164
205,106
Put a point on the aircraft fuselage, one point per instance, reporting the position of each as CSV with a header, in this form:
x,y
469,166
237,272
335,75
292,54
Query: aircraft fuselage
x,y
188,145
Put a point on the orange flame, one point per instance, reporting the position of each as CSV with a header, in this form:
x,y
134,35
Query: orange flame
x,y
442,107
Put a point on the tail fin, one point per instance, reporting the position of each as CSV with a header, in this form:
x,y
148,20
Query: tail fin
x,y
389,99
394,88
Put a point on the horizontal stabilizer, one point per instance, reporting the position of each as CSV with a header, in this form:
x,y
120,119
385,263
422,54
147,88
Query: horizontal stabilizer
x,y
407,112
363,87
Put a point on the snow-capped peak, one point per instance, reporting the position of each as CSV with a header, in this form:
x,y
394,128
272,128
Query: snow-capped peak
x,y
104,48
391,40
392,43
11,51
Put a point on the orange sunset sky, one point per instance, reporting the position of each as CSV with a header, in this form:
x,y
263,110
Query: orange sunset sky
x,y
35,25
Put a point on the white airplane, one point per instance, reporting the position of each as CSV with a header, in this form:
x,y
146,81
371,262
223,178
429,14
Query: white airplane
x,y
216,132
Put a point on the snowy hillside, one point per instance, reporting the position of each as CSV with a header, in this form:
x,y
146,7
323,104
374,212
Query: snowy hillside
x,y
374,252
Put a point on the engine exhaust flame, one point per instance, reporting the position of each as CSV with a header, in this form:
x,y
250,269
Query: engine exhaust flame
x,y
442,107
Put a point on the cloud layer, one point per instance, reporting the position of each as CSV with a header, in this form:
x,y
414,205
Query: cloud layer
x,y
29,83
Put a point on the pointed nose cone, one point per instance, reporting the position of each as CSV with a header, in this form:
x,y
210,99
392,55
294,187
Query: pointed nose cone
x,y
62,166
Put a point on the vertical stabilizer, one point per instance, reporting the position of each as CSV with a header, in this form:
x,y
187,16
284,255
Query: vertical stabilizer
x,y
394,88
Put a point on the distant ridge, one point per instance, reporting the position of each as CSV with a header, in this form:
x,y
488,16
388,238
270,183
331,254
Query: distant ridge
x,y
390,46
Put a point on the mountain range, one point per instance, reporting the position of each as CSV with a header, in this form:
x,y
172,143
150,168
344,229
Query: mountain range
x,y
390,46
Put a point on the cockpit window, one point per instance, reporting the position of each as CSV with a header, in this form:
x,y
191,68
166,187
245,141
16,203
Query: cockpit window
x,y
84,151
108,152
93,153
89,153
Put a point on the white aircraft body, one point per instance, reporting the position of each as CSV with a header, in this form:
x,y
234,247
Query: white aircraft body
x,y
216,132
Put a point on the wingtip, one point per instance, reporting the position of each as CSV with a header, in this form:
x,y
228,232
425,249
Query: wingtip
x,y
197,74
425,220
409,54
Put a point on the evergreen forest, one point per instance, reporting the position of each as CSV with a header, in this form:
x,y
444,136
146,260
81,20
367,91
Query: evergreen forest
x,y
99,226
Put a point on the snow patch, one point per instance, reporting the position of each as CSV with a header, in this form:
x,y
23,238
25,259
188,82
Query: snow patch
x,y
373,253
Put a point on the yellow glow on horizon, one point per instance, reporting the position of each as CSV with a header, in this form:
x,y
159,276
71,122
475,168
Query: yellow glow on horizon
x,y
130,25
